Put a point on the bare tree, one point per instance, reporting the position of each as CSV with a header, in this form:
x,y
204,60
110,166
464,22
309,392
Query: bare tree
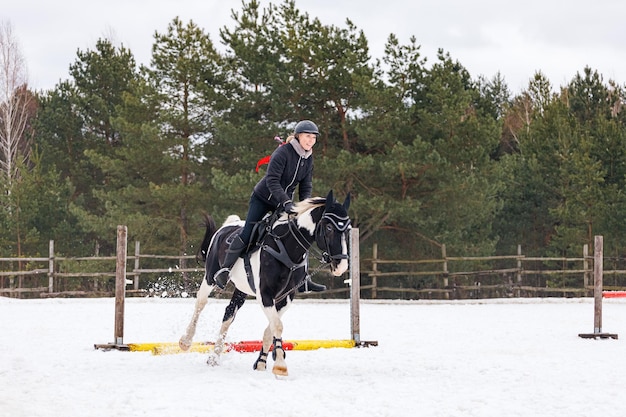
x,y
15,106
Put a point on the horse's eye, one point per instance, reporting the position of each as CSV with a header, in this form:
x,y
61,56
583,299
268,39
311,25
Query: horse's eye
x,y
329,228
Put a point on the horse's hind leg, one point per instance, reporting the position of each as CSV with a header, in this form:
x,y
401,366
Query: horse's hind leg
x,y
235,304
202,297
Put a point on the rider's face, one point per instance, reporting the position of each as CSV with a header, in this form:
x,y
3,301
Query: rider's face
x,y
307,140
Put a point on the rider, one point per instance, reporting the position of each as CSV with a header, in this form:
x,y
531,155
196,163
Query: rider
x,y
290,165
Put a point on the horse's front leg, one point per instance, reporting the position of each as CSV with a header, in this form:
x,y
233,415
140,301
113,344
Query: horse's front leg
x,y
261,362
278,354
276,329
202,297
235,304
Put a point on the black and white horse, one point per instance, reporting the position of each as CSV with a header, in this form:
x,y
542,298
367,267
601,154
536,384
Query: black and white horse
x,y
273,271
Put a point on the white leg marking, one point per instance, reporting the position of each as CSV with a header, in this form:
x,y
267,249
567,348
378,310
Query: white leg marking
x,y
218,349
280,366
267,344
276,330
202,299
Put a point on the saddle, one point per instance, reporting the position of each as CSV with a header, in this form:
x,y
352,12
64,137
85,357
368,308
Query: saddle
x,y
259,232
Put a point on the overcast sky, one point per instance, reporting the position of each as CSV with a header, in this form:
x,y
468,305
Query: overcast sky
x,y
486,36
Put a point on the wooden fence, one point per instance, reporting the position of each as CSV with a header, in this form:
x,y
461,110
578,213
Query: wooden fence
x,y
449,277
13,282
512,276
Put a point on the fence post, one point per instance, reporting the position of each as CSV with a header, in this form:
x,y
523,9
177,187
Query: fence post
x,y
51,266
585,266
597,292
597,284
374,270
355,286
136,276
519,264
120,284
444,256
96,253
518,291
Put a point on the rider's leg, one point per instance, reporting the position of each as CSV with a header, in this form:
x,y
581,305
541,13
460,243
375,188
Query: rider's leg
x,y
308,285
256,210
236,246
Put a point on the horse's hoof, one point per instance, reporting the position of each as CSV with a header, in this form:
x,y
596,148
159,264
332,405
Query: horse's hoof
x,y
279,370
184,343
213,360
261,362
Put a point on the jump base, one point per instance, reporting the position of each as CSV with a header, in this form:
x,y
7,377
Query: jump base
x,y
598,335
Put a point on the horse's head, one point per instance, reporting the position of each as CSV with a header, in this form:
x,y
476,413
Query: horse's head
x,y
330,234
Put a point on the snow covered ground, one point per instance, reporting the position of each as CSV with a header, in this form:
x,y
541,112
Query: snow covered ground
x,y
515,357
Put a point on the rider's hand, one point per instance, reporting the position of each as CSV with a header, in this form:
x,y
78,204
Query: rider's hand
x,y
288,207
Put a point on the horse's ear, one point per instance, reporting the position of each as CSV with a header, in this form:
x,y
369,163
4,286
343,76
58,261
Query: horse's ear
x,y
329,200
346,204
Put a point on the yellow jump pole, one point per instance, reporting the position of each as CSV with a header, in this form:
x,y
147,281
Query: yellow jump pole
x,y
242,347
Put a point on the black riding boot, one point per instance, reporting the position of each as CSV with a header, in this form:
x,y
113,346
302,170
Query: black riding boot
x,y
232,253
308,285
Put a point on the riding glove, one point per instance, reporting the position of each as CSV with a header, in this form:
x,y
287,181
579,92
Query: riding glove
x,y
288,207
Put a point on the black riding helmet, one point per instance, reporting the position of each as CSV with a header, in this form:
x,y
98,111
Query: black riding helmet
x,y
306,126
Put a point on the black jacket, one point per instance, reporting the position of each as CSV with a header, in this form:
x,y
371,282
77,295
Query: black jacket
x,y
286,170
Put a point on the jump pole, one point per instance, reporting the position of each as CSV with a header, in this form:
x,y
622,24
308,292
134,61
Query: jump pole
x,y
598,272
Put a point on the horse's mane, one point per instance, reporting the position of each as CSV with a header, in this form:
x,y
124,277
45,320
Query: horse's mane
x,y
308,204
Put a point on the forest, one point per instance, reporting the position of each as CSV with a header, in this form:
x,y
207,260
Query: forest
x,y
430,155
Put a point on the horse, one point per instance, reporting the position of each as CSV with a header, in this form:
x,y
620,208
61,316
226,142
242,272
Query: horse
x,y
273,269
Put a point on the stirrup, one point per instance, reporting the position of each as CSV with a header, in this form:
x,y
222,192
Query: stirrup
x,y
221,277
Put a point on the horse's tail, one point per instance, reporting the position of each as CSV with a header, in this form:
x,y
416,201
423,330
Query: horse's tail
x,y
211,228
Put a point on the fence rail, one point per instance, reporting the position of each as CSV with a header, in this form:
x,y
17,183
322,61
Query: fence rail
x,y
15,271
423,278
494,276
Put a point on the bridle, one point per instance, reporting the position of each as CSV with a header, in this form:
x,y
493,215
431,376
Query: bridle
x,y
341,223
322,252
